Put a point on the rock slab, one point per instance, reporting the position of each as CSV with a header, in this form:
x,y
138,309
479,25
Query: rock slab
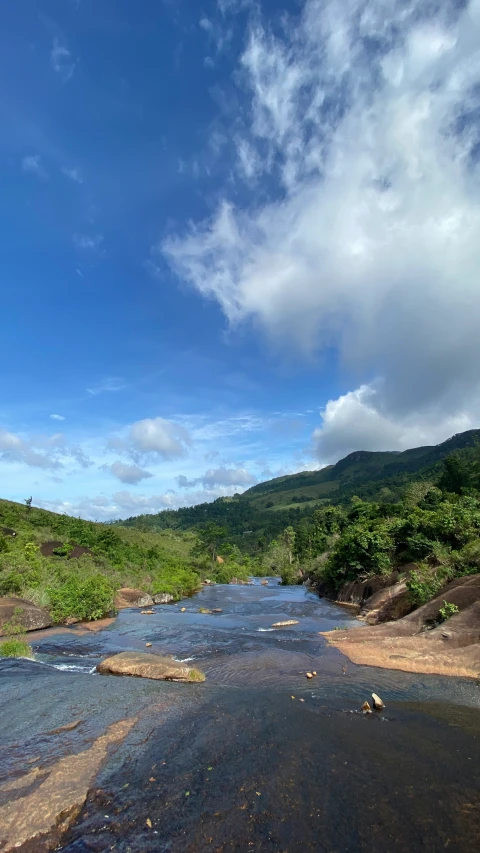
x,y
24,613
145,665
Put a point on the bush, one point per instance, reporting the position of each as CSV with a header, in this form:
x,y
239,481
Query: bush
x,y
15,648
81,598
449,609
358,553
425,583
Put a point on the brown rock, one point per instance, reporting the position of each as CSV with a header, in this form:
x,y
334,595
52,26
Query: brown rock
x,y
391,602
219,560
24,613
144,665
366,708
309,674
128,597
147,612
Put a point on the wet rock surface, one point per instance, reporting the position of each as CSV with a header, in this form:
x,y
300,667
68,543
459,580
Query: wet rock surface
x,y
128,597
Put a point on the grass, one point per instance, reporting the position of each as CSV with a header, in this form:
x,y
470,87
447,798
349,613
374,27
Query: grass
x,y
15,648
196,676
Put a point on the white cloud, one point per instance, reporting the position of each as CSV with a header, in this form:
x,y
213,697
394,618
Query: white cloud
x,y
363,116
74,174
153,437
57,417
355,421
131,474
87,242
61,60
110,383
219,477
40,451
33,165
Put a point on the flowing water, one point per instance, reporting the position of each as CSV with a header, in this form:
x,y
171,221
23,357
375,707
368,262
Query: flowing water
x,y
241,763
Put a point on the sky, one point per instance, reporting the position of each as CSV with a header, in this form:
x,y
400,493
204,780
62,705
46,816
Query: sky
x,y
238,239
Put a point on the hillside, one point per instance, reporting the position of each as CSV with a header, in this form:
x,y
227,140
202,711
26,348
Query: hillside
x,y
264,510
74,567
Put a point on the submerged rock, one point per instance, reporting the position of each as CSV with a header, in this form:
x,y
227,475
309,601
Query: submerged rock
x,y
24,614
145,665
129,597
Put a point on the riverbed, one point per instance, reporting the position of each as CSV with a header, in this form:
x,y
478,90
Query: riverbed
x,y
258,758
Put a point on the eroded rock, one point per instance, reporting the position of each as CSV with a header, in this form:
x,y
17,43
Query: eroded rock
x,y
23,613
129,597
163,598
145,665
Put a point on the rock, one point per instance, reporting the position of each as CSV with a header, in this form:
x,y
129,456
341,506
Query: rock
x,y
7,531
391,602
162,598
128,597
285,624
24,613
313,672
219,560
377,702
366,708
264,583
309,674
148,645
217,610
147,613
145,665
204,610
183,609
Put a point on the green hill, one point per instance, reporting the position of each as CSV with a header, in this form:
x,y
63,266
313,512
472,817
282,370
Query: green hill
x,y
264,510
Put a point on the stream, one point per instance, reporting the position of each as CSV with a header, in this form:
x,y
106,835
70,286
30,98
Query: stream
x,y
241,763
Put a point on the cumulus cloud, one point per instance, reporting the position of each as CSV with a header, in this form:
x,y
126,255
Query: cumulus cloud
x,y
355,421
47,452
32,165
126,473
219,477
360,123
57,417
155,437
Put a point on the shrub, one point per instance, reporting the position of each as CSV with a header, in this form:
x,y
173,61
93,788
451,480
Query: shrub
x,y
358,553
425,583
15,648
81,598
449,609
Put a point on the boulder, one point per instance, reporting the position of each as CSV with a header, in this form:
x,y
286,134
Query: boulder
x,y
391,602
24,613
285,624
127,597
219,560
7,531
162,598
146,665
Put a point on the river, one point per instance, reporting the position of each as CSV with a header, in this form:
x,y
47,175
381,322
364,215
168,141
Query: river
x,y
240,763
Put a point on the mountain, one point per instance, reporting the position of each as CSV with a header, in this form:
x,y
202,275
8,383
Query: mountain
x,y
264,510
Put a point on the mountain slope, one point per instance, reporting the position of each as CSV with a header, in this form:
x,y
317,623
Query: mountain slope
x,y
264,510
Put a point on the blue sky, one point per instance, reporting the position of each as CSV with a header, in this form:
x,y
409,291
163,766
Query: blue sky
x,y
237,239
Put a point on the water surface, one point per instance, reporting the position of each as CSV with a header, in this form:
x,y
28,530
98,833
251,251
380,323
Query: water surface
x,y
237,763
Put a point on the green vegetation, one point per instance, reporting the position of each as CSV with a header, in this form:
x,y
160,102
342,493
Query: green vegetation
x,y
364,516
15,648
448,610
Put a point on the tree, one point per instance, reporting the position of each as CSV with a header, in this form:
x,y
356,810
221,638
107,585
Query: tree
x,y
28,503
456,474
209,538
289,539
